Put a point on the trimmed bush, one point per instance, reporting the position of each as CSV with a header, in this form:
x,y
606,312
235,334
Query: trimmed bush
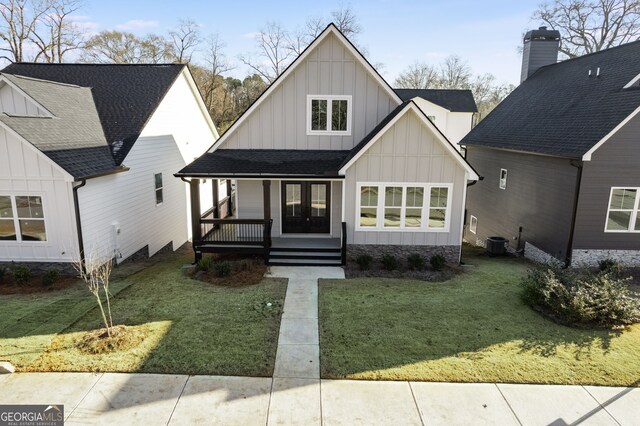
x,y
437,262
415,261
222,269
21,274
364,262
581,298
50,278
204,264
3,274
390,262
610,266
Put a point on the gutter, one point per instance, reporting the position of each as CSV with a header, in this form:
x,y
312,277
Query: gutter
x,y
579,165
76,206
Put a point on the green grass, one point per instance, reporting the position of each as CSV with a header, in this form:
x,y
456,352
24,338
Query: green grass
x,y
191,327
473,328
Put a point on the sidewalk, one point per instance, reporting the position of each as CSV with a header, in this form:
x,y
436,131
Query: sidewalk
x,y
154,399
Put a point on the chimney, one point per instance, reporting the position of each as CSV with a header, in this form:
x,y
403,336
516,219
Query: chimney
x,y
540,49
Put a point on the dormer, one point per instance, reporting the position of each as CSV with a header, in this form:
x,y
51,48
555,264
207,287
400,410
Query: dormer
x,y
14,101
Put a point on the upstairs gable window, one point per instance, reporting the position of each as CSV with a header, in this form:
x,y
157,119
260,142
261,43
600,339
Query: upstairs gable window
x,y
329,115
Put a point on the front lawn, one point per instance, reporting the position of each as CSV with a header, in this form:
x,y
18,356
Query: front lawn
x,y
191,327
473,328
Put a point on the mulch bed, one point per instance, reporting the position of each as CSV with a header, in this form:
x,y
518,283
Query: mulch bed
x,y
353,271
8,286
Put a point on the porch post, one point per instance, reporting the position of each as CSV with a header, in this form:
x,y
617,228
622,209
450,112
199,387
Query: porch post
x,y
196,235
214,193
266,198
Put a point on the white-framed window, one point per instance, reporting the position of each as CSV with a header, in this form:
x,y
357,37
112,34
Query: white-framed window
x,y
403,206
503,178
328,115
623,214
158,188
473,224
22,218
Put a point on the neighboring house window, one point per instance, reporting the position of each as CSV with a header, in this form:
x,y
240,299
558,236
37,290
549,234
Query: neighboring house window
x,y
401,206
623,214
503,178
473,225
25,222
158,183
432,118
329,115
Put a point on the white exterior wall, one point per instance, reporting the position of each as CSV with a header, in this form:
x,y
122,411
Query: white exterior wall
x,y
280,121
26,171
454,125
12,101
127,201
407,152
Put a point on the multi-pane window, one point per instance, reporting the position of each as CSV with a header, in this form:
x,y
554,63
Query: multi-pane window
x,y
158,185
25,222
503,178
623,214
473,225
404,207
318,200
329,114
294,200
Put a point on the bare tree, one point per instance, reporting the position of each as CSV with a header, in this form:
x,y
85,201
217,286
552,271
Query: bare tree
x,y
346,21
185,39
272,56
588,26
454,73
57,34
96,274
125,48
18,21
418,76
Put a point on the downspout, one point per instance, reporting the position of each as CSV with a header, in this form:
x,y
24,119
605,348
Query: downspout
x,y
76,206
470,184
579,165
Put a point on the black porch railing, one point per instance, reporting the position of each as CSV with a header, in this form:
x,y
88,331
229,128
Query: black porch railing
x,y
343,244
234,235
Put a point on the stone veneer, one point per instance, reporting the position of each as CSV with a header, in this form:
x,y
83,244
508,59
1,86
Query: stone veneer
x,y
451,253
584,257
534,253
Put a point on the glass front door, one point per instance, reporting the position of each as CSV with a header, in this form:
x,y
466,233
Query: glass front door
x,y
305,207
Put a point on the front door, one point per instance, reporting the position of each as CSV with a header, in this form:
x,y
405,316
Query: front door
x,y
305,207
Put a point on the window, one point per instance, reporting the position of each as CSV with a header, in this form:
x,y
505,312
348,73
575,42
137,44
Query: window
x,y
329,115
473,225
623,213
402,206
25,222
159,194
432,118
503,178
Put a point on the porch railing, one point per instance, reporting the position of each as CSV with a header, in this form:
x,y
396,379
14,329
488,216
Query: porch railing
x,y
343,243
246,235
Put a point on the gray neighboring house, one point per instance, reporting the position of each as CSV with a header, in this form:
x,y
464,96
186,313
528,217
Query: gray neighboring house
x,y
331,160
560,156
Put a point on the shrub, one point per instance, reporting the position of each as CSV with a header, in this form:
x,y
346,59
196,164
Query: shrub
x,y
415,261
364,261
21,274
3,273
204,264
222,269
389,262
245,265
437,262
610,266
50,277
581,298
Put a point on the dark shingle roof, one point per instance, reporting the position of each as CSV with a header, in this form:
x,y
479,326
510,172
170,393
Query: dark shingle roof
x,y
125,96
73,136
452,99
278,162
562,111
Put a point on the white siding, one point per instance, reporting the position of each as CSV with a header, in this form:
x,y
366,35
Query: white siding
x,y
13,102
407,152
26,171
454,125
330,69
127,201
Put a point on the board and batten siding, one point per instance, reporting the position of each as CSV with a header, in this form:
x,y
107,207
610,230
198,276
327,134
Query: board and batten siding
x,y
280,121
26,171
407,152
126,201
13,102
538,197
615,163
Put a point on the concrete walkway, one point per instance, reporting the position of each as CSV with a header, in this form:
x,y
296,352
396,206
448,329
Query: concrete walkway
x,y
155,399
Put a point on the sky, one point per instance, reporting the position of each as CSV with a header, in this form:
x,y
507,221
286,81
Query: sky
x,y
397,33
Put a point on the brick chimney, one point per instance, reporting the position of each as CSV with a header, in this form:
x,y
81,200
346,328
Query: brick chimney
x,y
540,49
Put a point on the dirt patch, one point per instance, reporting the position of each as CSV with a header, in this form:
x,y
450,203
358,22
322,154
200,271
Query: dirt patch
x,y
352,270
122,338
245,271
35,285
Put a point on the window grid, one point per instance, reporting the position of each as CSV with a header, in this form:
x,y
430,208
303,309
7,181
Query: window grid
x,y
158,188
328,115
623,212
22,218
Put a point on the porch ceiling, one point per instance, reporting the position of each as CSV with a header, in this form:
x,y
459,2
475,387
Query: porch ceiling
x,y
267,163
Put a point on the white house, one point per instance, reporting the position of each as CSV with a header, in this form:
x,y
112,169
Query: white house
x,y
87,154
330,159
453,111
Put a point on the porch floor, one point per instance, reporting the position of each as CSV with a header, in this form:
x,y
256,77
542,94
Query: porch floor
x,y
307,243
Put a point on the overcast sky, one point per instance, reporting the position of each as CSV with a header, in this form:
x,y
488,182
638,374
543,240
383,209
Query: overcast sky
x,y
396,32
